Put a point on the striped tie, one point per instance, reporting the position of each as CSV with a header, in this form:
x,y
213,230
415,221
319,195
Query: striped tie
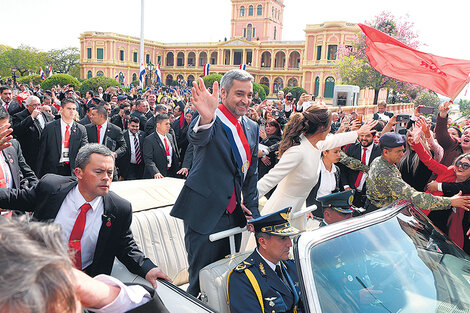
x,y
138,155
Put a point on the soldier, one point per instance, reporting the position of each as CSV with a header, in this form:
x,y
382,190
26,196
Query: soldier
x,y
337,207
385,184
267,280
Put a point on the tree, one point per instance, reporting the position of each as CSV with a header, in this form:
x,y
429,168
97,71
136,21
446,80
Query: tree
x,y
65,61
60,79
260,90
355,69
428,99
24,59
266,88
95,82
464,106
210,79
35,78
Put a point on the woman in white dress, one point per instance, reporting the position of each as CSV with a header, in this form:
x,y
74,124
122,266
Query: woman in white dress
x,y
296,173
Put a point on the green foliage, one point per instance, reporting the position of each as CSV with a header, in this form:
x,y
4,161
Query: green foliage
x,y
210,79
464,106
174,83
266,88
35,78
295,91
64,61
429,99
260,90
95,82
60,79
136,83
23,59
287,89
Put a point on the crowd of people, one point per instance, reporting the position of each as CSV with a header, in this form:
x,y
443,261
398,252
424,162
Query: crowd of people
x,y
232,149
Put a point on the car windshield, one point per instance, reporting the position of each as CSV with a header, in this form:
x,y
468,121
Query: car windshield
x,y
401,265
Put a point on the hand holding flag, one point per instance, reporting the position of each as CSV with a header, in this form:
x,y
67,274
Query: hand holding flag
x,y
205,102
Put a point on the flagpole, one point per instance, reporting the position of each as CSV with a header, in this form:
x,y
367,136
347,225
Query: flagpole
x,y
460,89
141,38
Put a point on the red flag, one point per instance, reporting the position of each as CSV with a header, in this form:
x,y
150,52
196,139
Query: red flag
x,y
393,58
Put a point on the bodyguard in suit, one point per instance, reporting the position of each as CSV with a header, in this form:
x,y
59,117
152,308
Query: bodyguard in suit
x,y
366,151
267,280
161,156
28,126
211,199
131,165
60,142
121,119
141,109
95,220
7,102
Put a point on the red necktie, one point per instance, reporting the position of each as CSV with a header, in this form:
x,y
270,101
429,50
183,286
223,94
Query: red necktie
x,y
359,176
167,147
77,233
98,133
67,136
181,120
233,203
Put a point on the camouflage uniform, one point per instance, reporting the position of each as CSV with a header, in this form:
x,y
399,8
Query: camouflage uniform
x,y
352,163
385,185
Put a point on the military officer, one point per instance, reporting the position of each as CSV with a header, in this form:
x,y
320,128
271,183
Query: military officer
x,y
337,207
267,280
385,184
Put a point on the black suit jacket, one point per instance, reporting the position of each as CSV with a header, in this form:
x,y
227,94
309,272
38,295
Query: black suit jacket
x,y
28,132
348,176
115,237
117,120
141,116
125,160
22,175
51,144
112,139
85,121
155,157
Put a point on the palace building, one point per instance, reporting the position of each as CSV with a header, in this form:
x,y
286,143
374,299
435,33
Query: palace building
x,y
256,40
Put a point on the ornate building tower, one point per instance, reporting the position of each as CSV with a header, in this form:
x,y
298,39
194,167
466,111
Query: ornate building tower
x,y
257,19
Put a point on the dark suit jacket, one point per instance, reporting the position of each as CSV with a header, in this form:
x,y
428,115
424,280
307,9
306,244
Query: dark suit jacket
x,y
112,139
45,199
155,157
141,117
51,144
176,126
376,115
213,176
125,160
117,120
28,132
348,176
14,107
22,175
85,121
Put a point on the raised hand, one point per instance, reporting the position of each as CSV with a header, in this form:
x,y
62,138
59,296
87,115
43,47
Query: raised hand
x,y
205,102
443,108
461,202
366,128
420,122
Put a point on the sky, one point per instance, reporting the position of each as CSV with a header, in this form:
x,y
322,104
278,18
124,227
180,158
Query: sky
x,y
52,24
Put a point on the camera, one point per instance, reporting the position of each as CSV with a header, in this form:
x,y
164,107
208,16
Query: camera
x,y
403,118
426,110
290,98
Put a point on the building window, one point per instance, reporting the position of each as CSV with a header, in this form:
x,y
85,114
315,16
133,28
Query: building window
x,y
88,53
89,74
275,32
249,31
159,59
318,53
254,33
99,53
147,58
332,52
317,86
260,10
135,57
329,87
100,73
272,13
134,77
250,10
242,11
244,32
121,55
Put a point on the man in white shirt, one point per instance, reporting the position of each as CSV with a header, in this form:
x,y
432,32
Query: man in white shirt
x,y
131,165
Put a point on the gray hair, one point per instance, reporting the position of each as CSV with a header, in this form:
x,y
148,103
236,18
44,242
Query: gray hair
x,y
227,80
83,155
30,99
259,235
39,252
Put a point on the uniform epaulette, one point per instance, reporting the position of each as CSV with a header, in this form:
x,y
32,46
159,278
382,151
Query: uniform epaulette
x,y
245,264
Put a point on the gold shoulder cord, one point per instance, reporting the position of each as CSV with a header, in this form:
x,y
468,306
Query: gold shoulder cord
x,y
256,287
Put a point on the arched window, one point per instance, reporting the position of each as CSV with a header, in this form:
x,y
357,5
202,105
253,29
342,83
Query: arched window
x,y
278,84
170,59
260,10
134,77
292,82
169,80
250,10
249,31
329,87
89,74
317,86
242,11
100,73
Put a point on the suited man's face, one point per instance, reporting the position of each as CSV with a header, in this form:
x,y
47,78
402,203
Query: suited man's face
x,y
95,179
238,99
163,127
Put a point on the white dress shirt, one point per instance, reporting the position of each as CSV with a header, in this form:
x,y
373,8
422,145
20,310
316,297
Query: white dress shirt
x,y
162,138
364,175
102,131
131,143
6,171
327,180
68,214
64,155
41,121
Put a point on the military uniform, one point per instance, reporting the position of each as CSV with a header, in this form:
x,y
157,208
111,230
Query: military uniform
x,y
352,163
253,286
385,184
340,202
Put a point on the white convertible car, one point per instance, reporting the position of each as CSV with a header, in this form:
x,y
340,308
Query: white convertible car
x,y
391,260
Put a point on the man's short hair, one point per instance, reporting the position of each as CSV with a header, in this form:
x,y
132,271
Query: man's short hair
x,y
101,110
36,268
259,235
382,103
134,119
83,156
46,97
30,99
159,108
227,80
3,88
67,100
138,102
124,105
92,94
160,117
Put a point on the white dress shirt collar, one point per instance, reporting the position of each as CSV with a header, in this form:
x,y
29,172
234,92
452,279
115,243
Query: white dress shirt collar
x,y
270,264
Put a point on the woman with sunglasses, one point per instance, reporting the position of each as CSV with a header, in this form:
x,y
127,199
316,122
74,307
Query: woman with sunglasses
x,y
458,172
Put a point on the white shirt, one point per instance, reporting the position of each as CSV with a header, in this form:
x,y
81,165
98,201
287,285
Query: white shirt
x,y
6,171
162,138
68,214
40,119
327,180
364,175
64,155
383,117
102,131
270,264
131,142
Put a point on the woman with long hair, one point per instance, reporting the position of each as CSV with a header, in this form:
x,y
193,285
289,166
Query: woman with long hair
x,y
270,139
297,171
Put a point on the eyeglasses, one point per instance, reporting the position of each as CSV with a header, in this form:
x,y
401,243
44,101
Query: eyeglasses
x,y
464,165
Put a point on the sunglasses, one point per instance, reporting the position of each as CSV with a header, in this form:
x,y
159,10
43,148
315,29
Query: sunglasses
x,y
464,165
